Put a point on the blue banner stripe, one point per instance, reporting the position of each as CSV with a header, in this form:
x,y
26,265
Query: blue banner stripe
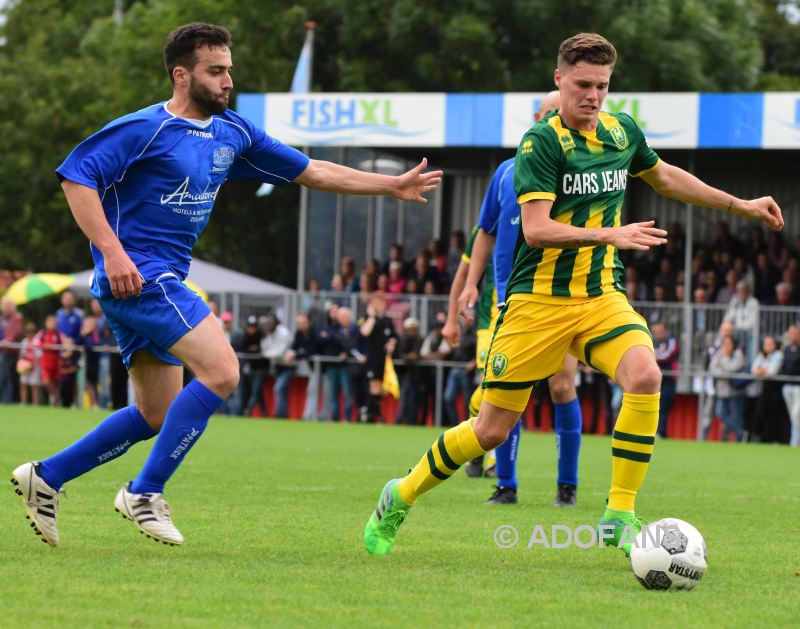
x,y
474,120
731,120
253,107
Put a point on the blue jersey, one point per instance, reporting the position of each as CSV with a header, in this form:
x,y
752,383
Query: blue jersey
x,y
500,217
158,176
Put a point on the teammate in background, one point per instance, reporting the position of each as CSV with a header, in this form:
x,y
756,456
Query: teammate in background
x,y
484,313
565,293
142,190
498,225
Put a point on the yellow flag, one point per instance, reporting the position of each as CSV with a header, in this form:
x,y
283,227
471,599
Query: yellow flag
x,y
390,382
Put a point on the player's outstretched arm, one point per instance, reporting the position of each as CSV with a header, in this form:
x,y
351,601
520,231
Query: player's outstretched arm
x,y
482,250
676,183
84,203
409,186
541,231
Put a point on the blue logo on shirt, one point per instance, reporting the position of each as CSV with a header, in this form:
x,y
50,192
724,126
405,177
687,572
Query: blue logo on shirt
x,y
223,156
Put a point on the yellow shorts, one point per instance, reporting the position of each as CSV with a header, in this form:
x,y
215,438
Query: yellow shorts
x,y
532,337
484,338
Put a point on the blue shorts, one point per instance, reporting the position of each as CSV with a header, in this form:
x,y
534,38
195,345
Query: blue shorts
x,y
156,320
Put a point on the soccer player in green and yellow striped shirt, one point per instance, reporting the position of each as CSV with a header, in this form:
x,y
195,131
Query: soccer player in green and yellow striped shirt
x,y
565,293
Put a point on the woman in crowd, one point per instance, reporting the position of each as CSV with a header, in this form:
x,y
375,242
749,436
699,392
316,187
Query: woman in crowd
x,y
770,410
726,363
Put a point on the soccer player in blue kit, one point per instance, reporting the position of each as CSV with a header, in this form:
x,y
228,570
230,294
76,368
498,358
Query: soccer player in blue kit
x,y
142,190
498,225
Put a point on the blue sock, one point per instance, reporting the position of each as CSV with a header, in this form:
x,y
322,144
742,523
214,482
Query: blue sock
x,y
110,439
568,421
186,420
507,459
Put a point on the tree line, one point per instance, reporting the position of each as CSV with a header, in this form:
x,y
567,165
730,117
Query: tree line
x,y
67,67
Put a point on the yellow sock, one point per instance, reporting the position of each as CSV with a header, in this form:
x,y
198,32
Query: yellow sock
x,y
454,448
475,401
632,447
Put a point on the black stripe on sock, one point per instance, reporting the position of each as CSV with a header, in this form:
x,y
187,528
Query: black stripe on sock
x,y
639,457
445,456
434,470
626,436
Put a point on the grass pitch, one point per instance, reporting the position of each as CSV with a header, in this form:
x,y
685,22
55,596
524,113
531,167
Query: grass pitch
x,y
273,514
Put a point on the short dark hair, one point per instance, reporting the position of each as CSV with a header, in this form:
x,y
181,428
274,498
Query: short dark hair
x,y
184,40
589,47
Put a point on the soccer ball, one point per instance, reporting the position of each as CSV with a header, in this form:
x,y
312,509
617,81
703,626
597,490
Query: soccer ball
x,y
669,554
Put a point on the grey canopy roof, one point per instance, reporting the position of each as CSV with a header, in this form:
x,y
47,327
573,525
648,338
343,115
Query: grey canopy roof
x,y
211,278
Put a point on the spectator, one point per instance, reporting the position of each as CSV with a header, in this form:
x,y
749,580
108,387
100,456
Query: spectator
x,y
253,366
459,379
456,250
397,283
423,271
337,284
438,259
367,284
434,348
725,364
304,345
277,340
764,280
597,386
770,408
743,313
336,379
783,294
350,345
381,339
663,312
373,269
409,374
791,390
68,361
728,291
778,251
233,405
755,243
10,332
91,341
666,278
48,362
395,255
69,318
744,273
667,358
28,367
707,384
412,286
347,271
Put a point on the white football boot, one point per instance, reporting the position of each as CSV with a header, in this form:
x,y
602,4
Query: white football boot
x,y
150,513
40,500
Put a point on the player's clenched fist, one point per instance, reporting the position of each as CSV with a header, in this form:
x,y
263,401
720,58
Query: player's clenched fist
x,y
763,209
123,276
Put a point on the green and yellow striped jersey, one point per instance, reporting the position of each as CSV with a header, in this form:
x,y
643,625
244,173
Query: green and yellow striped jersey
x,y
585,174
488,297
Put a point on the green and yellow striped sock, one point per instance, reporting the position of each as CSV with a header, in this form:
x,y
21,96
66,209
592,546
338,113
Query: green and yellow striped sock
x,y
475,401
454,448
632,447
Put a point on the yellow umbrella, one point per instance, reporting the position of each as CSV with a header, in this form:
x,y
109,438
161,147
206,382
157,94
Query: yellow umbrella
x,y
203,294
37,285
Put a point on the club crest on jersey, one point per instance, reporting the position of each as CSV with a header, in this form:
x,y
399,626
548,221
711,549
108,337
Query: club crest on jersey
x,y
619,137
223,156
499,364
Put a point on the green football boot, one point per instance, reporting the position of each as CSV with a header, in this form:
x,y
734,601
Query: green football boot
x,y
619,520
380,533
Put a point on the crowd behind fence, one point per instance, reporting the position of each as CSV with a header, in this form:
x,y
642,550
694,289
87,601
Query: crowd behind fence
x,y
696,327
